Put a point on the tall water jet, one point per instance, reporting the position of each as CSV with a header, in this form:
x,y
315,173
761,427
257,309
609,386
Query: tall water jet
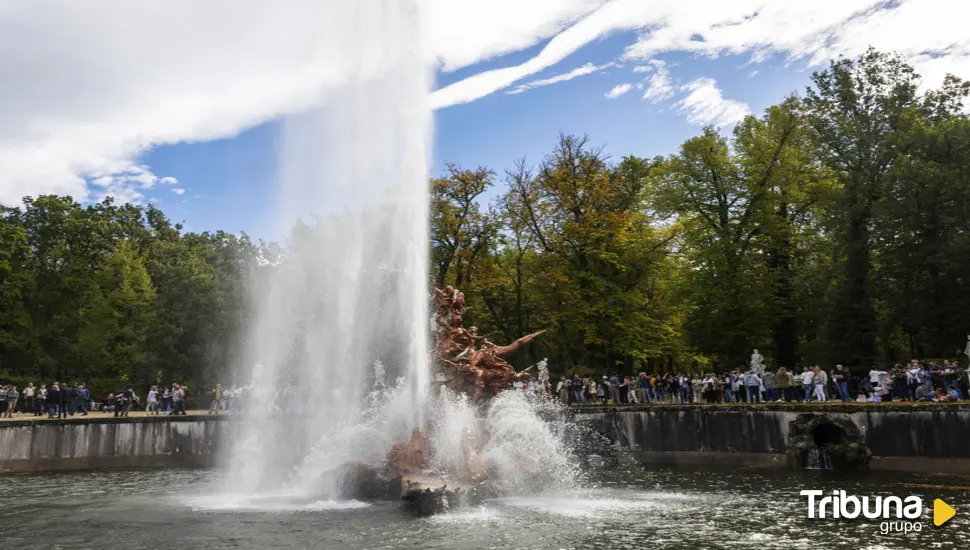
x,y
351,286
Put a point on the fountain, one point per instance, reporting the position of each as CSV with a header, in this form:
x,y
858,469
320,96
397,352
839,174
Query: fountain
x,y
434,473
338,403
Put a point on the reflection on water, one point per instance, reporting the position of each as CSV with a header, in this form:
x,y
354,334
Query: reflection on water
x,y
623,508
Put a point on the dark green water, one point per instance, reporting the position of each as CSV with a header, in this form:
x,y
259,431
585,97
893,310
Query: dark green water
x,y
620,508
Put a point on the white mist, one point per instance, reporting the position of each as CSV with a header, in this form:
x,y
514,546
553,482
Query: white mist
x,y
352,288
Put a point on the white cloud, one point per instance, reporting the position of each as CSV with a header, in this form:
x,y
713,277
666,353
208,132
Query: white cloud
x,y
178,190
93,93
169,180
610,17
584,70
705,104
659,84
928,32
618,90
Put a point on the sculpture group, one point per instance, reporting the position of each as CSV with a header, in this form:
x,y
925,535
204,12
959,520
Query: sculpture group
x,y
477,370
466,363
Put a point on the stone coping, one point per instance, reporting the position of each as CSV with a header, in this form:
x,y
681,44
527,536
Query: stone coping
x,y
109,418
831,407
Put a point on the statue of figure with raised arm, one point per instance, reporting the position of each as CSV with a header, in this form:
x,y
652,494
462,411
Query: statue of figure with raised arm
x,y
543,367
757,363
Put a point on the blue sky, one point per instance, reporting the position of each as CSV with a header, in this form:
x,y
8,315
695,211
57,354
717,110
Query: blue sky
x,y
228,182
189,119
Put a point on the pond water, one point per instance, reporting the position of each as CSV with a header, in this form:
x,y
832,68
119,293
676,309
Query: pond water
x,y
619,507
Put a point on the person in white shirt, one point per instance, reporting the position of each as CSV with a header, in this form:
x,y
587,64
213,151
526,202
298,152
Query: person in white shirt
x,y
820,380
808,376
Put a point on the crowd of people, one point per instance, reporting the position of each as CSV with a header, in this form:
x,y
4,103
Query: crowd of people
x,y
62,400
915,381
55,400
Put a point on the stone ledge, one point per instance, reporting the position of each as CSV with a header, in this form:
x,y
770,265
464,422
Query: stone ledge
x,y
85,420
833,407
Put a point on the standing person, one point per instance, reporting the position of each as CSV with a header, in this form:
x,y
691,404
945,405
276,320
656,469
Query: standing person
x,y
615,389
80,403
55,403
900,383
819,380
697,385
562,388
808,376
783,382
12,397
841,383
912,381
577,388
644,383
729,388
737,384
40,401
216,400
708,388
69,394
29,392
925,376
166,400
593,397
127,401
152,406
771,387
675,389
753,383
178,400
632,396
963,379
3,400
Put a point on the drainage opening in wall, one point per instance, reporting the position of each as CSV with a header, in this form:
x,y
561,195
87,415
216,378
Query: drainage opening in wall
x,y
826,434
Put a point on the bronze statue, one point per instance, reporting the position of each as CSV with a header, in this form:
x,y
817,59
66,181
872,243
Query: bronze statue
x,y
410,457
471,365
481,372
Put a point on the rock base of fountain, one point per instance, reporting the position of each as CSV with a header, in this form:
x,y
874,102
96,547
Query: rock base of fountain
x,y
359,481
429,496
420,495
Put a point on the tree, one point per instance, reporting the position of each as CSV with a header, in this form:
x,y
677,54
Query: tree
x,y
459,232
719,201
857,110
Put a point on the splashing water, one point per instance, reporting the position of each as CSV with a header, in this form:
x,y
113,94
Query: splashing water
x,y
351,287
345,306
529,445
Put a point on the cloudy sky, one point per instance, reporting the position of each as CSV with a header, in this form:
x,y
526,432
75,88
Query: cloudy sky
x,y
178,102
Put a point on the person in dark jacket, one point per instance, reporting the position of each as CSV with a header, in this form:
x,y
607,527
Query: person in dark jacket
x,y
70,398
54,400
127,398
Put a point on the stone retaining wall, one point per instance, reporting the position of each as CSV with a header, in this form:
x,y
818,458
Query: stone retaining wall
x,y
931,438
109,443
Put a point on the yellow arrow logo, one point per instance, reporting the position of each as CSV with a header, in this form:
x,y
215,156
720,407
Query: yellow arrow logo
x,y
942,512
